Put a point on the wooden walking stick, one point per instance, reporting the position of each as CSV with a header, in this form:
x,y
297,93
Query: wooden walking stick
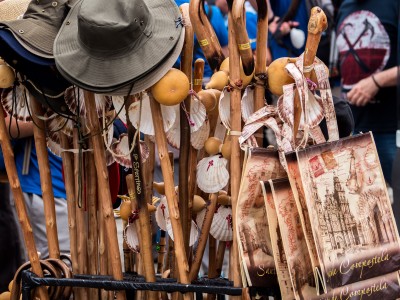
x,y
91,198
205,34
316,25
104,190
103,261
173,209
261,60
242,38
136,189
45,180
80,214
23,218
184,153
236,128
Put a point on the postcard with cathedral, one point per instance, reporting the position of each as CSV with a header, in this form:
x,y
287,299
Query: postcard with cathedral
x,y
254,242
350,212
296,251
282,270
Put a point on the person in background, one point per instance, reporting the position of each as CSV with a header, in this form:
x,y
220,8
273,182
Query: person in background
x,y
367,40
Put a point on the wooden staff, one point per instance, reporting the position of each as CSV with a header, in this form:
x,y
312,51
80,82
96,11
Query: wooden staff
x,y
103,265
261,60
184,153
80,215
168,176
128,267
68,162
219,260
136,189
45,180
161,253
241,36
317,24
91,198
205,35
202,241
23,218
104,190
235,163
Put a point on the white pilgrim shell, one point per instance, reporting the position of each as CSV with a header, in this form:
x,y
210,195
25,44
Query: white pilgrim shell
x,y
74,97
145,118
21,107
221,227
56,122
194,232
173,135
225,108
197,115
119,107
53,143
199,137
121,151
247,103
212,174
131,237
162,213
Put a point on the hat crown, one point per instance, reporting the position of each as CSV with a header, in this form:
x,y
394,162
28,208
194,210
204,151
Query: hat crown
x,y
113,26
52,12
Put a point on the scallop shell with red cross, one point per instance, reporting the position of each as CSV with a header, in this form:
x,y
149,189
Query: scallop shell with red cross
x,y
121,150
162,213
199,137
221,226
212,174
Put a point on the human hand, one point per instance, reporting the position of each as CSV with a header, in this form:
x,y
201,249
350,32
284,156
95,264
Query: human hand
x,y
284,28
362,92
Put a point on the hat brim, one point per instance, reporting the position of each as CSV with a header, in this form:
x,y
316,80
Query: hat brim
x,y
146,81
83,68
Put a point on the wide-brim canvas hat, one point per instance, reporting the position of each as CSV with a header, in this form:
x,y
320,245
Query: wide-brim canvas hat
x,y
39,75
104,44
12,9
144,82
39,25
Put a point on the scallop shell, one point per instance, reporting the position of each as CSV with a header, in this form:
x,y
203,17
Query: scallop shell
x,y
162,213
56,122
212,174
225,108
221,227
173,135
247,103
197,115
54,143
121,151
74,96
194,232
146,119
198,138
314,108
131,237
20,108
119,107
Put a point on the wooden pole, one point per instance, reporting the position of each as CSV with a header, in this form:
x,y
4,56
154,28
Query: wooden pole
x,y
168,176
235,163
79,171
103,265
45,180
91,198
137,190
12,174
104,190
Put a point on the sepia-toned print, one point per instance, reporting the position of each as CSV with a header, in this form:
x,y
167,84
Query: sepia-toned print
x,y
254,241
294,243
282,270
352,220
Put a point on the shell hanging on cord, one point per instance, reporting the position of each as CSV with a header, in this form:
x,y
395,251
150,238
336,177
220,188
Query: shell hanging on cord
x,y
119,107
54,143
198,138
212,174
194,231
162,213
221,226
247,103
55,122
224,107
21,109
73,93
121,150
173,135
146,120
131,237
